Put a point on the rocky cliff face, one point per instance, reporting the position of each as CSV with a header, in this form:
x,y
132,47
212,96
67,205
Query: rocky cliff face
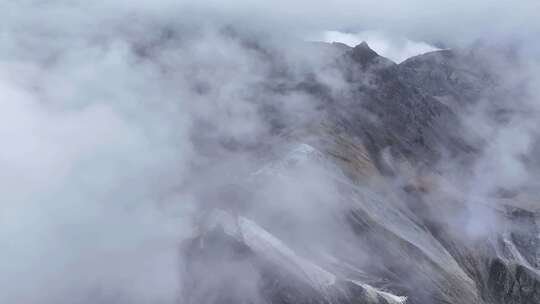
x,y
397,235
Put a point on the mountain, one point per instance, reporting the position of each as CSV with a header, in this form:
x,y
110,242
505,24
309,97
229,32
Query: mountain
x,y
381,223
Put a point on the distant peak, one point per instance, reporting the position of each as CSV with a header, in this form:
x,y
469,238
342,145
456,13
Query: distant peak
x,y
364,48
363,44
363,54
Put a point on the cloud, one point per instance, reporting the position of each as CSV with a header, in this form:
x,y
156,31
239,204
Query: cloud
x,y
115,123
452,22
117,118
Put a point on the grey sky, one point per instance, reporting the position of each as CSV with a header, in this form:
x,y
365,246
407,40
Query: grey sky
x,y
448,21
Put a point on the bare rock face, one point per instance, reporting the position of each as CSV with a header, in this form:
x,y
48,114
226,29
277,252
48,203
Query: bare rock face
x,y
513,283
390,109
366,57
458,77
513,276
389,243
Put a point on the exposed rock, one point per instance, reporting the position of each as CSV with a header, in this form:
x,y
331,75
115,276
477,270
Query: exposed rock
x,y
388,119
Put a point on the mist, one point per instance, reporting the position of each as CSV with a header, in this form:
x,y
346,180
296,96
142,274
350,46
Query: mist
x,y
125,125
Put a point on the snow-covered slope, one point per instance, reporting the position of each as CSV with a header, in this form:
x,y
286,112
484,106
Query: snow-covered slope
x,y
275,252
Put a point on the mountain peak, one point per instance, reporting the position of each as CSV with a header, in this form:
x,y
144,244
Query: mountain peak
x,y
363,44
363,54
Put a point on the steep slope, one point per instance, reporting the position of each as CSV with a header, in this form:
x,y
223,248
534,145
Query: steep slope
x,y
279,275
384,106
376,224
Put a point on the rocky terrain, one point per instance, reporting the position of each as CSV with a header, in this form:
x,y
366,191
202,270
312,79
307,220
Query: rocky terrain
x,y
394,228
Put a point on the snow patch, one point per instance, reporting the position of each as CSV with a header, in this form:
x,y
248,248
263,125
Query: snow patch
x,y
301,154
267,245
261,241
373,294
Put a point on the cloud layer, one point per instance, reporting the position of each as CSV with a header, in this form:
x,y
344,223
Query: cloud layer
x,y
117,117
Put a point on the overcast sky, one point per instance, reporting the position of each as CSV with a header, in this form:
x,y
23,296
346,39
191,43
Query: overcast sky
x,y
424,20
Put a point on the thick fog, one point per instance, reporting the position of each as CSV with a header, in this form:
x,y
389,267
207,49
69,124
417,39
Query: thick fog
x,y
122,122
117,129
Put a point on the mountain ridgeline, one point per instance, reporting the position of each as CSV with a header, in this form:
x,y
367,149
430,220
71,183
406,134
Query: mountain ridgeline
x,y
383,223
